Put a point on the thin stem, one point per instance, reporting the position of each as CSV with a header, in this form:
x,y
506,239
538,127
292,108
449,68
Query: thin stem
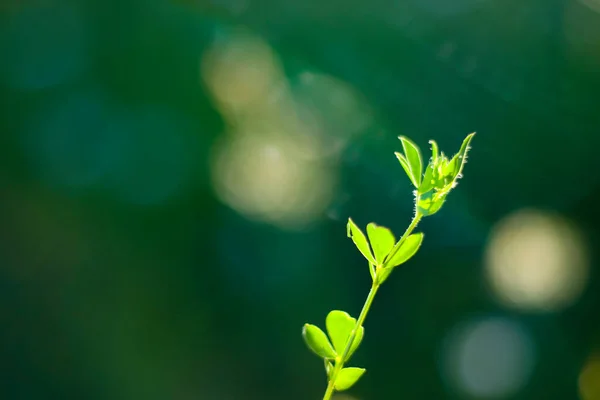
x,y
339,362
407,232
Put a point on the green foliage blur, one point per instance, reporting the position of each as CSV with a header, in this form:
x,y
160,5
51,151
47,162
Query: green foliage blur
x,y
176,177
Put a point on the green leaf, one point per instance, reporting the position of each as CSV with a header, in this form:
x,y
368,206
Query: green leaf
x,y
461,156
430,203
317,341
428,179
339,327
450,170
360,240
328,368
434,151
407,169
407,249
382,240
413,156
347,377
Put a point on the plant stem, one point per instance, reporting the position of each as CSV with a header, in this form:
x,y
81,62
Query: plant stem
x,y
339,362
407,232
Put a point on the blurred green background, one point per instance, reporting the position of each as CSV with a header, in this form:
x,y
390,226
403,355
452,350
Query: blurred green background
x,y
176,176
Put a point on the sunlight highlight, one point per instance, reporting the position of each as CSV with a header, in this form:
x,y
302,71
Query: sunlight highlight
x,y
260,176
241,71
278,160
490,357
536,261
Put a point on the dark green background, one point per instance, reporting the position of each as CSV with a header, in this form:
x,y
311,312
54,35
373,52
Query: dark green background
x,y
142,283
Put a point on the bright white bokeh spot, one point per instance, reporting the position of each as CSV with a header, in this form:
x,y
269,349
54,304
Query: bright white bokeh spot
x,y
240,69
488,358
261,177
321,113
277,162
536,261
43,46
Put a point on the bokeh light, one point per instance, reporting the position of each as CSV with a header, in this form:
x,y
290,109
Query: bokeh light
x,y
262,177
241,71
490,357
277,163
589,379
536,261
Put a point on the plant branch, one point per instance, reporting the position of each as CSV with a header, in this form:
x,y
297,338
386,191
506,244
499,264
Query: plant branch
x,y
413,224
339,362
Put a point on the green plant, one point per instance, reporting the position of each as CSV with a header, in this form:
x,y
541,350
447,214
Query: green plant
x,y
383,254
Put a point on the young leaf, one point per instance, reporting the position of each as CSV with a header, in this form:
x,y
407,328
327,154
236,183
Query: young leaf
x,y
461,156
428,180
382,240
406,250
413,156
348,377
317,341
450,170
434,151
360,240
407,169
339,327
430,203
328,368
